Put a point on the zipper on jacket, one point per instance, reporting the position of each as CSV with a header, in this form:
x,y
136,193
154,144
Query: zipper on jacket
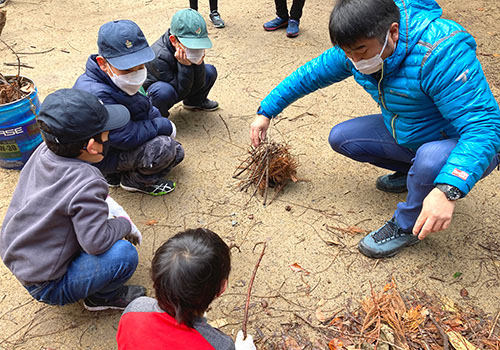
x,y
381,97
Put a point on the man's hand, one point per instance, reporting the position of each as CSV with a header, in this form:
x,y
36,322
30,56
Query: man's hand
x,y
180,55
436,214
258,129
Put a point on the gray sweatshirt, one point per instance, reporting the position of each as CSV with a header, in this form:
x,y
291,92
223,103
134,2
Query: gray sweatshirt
x,y
57,210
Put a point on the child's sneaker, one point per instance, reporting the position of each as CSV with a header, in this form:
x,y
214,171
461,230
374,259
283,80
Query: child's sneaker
x,y
120,302
3,3
207,105
276,23
159,189
293,28
216,19
113,180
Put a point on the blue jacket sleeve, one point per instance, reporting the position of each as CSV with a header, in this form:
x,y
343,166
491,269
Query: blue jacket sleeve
x,y
328,68
136,132
452,76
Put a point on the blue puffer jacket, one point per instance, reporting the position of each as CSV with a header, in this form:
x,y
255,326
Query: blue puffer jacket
x,y
432,87
145,123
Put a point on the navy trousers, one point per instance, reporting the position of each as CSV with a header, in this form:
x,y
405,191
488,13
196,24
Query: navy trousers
x,y
164,96
366,139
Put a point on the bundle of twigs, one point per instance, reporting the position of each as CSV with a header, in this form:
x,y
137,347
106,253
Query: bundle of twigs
x,y
387,321
268,165
14,88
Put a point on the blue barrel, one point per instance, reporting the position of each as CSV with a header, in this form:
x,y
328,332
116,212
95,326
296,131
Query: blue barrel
x,y
19,132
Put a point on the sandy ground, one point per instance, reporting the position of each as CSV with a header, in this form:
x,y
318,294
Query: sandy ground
x,y
338,193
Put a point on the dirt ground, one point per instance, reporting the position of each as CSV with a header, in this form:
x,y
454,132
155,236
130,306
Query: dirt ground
x,y
338,192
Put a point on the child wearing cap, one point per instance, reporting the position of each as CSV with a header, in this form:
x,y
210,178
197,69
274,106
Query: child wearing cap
x,y
144,150
56,237
189,271
179,73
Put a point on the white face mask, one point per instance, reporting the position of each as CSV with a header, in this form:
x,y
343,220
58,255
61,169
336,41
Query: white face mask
x,y
371,65
130,82
195,55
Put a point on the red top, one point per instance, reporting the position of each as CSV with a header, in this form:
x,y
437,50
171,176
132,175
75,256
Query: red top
x,y
157,330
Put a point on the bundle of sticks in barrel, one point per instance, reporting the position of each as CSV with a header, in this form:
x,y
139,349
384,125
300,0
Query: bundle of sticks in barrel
x,y
270,165
14,88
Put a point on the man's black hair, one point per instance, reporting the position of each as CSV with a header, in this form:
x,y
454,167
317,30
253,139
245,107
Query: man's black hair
x,y
68,150
188,272
352,20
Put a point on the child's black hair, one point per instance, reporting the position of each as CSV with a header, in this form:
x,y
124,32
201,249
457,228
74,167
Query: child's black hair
x,y
68,150
188,272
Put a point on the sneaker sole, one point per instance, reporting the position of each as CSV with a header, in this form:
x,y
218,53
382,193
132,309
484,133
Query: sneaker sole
x,y
113,185
101,308
292,35
372,255
192,108
133,189
388,190
270,29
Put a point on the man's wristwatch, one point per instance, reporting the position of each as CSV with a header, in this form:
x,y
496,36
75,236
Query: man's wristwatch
x,y
452,193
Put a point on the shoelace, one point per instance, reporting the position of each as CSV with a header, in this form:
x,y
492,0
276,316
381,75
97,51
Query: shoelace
x,y
162,187
387,232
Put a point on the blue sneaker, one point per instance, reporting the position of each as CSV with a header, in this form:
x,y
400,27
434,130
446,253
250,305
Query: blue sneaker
x,y
387,241
293,28
276,23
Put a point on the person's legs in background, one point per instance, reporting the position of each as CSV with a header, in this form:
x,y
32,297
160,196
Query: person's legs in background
x,y
295,14
281,19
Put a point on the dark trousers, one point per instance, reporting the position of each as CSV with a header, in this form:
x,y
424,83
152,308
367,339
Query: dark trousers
x,y
194,5
149,163
295,12
163,95
366,139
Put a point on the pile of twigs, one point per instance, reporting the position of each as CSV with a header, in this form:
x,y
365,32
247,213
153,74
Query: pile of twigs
x,y
268,165
387,321
14,88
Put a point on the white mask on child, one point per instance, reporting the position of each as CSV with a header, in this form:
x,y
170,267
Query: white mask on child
x,y
371,65
195,55
130,82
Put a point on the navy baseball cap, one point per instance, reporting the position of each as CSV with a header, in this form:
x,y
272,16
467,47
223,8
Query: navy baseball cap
x,y
123,44
76,115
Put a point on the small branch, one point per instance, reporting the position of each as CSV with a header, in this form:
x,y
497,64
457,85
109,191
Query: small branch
x,y
494,325
249,292
227,128
446,341
36,53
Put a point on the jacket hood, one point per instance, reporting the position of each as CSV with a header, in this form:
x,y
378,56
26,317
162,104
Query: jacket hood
x,y
416,15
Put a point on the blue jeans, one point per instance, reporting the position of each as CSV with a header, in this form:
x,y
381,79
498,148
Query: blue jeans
x,y
90,275
164,96
366,139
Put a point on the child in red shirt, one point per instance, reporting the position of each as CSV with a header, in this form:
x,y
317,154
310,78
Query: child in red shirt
x,y
189,271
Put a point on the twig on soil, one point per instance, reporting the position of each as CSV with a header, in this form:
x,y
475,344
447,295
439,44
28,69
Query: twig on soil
x,y
36,53
227,128
444,336
494,325
18,59
18,65
250,285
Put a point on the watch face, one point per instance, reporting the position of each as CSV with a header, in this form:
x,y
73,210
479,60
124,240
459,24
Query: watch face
x,y
454,193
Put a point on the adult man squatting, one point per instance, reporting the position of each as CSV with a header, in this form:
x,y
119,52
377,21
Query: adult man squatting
x,y
440,125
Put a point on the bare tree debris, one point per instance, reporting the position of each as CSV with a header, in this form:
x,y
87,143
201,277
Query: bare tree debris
x,y
268,165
